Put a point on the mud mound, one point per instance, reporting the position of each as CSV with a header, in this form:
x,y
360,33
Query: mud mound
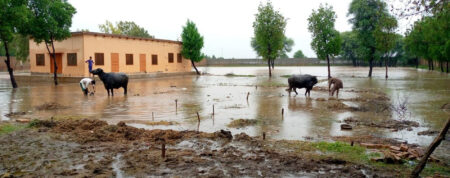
x,y
51,106
240,123
91,130
388,124
428,132
336,105
14,114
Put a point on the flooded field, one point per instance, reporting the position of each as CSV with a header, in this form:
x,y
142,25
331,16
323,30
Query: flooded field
x,y
173,103
407,110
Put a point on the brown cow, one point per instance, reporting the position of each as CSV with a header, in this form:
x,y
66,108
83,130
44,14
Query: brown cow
x,y
337,84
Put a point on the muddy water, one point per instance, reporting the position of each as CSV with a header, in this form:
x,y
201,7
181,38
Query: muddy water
x,y
303,118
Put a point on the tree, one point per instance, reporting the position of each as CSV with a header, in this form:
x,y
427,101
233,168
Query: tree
x,y
51,22
287,48
124,28
366,16
269,38
13,18
326,40
299,54
192,44
18,47
430,39
385,36
350,47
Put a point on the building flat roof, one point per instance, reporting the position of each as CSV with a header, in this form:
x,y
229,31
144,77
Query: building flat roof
x,y
123,36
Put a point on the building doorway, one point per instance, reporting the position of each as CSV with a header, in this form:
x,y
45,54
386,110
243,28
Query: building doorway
x,y
142,62
58,57
114,62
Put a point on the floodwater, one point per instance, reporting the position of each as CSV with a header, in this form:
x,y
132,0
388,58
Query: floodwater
x,y
424,91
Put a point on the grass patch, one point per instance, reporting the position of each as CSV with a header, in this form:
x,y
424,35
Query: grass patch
x,y
239,123
234,75
433,168
286,76
8,128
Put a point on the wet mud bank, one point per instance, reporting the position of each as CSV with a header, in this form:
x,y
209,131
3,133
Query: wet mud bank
x,y
89,147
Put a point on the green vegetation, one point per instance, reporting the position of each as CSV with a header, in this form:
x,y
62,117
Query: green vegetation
x,y
13,17
367,17
269,39
299,54
50,22
430,38
128,28
192,44
8,128
326,40
287,47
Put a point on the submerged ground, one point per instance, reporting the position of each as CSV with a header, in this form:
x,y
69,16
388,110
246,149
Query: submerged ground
x,y
389,112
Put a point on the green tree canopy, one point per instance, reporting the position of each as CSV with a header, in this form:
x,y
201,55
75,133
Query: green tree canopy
x,y
299,54
51,22
430,38
385,37
350,46
192,44
18,47
13,19
269,38
124,28
326,40
366,15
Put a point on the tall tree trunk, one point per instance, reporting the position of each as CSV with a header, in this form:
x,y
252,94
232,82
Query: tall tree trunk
x,y
417,62
429,65
354,62
196,70
386,64
447,66
430,149
328,63
270,72
442,66
273,64
370,67
8,65
432,64
55,66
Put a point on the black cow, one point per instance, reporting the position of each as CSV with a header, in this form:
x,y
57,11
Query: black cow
x,y
112,80
301,81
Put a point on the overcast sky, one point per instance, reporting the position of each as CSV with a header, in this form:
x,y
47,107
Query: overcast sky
x,y
226,25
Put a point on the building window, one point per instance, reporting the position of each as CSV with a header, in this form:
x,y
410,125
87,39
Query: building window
x,y
179,58
40,60
99,59
154,59
71,59
129,59
170,57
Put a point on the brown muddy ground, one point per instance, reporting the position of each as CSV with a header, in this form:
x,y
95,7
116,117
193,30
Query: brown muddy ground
x,y
90,147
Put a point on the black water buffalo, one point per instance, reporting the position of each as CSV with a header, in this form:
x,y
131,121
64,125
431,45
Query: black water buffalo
x,y
301,81
112,80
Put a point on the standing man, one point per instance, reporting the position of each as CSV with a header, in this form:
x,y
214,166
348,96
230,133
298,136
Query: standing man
x,y
84,84
91,63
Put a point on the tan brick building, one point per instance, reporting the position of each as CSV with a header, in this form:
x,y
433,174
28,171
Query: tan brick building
x,y
112,53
